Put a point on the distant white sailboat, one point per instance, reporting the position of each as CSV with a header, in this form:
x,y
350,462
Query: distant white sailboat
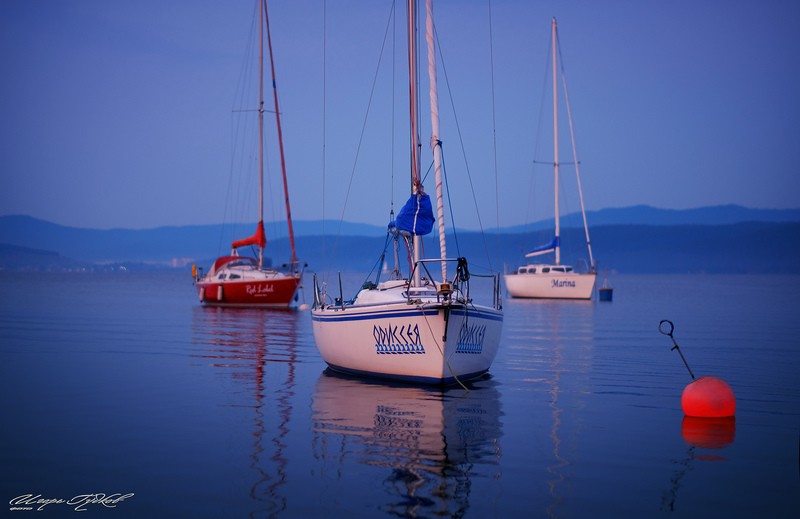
x,y
415,329
554,280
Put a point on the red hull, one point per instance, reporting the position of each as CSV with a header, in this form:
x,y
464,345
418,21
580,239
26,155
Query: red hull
x,y
270,293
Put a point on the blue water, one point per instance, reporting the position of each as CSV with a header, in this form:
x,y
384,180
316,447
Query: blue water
x,y
122,384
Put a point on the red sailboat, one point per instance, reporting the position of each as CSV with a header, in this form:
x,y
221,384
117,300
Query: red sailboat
x,y
236,280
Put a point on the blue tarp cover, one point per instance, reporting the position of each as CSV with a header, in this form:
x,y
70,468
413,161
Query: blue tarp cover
x,y
416,217
544,249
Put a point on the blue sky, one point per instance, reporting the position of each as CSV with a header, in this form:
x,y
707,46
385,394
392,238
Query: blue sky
x,y
119,114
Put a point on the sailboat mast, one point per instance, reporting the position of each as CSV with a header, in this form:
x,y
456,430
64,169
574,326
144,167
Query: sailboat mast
x,y
436,144
555,143
280,140
260,125
412,97
414,123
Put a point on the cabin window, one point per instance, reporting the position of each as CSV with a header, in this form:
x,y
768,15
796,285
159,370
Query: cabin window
x,y
569,269
221,276
523,270
235,276
545,270
558,269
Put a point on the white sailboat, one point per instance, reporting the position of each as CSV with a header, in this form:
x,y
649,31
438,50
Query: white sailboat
x,y
554,280
414,329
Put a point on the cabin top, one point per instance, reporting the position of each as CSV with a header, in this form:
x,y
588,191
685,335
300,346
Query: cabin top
x,y
544,269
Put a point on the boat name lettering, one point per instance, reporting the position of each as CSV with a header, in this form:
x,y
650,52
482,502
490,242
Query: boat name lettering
x,y
559,283
394,339
470,339
260,289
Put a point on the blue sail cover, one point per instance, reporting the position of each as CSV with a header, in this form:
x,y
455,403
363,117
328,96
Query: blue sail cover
x,y
544,249
416,217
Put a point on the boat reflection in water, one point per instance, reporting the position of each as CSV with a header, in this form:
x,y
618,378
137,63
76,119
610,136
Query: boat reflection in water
x,y
432,442
258,348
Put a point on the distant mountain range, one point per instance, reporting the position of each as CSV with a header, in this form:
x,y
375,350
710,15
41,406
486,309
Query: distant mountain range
x,y
647,215
729,239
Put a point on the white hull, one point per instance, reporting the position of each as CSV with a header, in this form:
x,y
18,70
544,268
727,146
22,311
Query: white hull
x,y
413,329
553,285
404,341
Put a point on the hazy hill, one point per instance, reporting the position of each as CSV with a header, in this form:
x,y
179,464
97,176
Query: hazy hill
x,y
718,239
647,215
158,244
13,257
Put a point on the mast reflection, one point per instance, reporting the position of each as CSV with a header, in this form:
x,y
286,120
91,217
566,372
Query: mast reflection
x,y
258,348
558,357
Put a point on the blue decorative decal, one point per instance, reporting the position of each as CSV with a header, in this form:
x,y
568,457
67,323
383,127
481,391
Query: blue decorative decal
x,y
394,340
470,340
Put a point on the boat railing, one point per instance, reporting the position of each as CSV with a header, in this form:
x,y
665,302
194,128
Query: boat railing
x,y
459,285
583,266
458,288
292,268
322,299
197,273
319,293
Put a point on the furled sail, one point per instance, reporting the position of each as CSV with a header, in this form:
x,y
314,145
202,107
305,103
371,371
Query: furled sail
x,y
416,216
259,238
544,249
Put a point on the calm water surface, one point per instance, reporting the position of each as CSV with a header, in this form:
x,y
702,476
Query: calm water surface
x,y
122,383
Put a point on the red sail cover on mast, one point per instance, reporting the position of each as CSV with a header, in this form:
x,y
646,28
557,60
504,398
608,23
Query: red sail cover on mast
x,y
259,238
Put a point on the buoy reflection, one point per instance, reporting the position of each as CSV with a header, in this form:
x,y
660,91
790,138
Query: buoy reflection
x,y
699,433
708,433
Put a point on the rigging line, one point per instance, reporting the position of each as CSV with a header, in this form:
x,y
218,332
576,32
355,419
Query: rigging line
x,y
421,307
270,190
254,110
494,123
463,152
537,137
237,133
427,172
379,263
279,130
363,130
575,154
449,203
550,163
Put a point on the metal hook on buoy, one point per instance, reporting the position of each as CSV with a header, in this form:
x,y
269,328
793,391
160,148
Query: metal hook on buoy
x,y
665,327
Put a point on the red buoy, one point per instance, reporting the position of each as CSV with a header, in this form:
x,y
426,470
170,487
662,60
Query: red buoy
x,y
708,397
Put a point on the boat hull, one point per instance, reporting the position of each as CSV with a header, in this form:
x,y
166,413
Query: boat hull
x,y
561,285
408,342
273,291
